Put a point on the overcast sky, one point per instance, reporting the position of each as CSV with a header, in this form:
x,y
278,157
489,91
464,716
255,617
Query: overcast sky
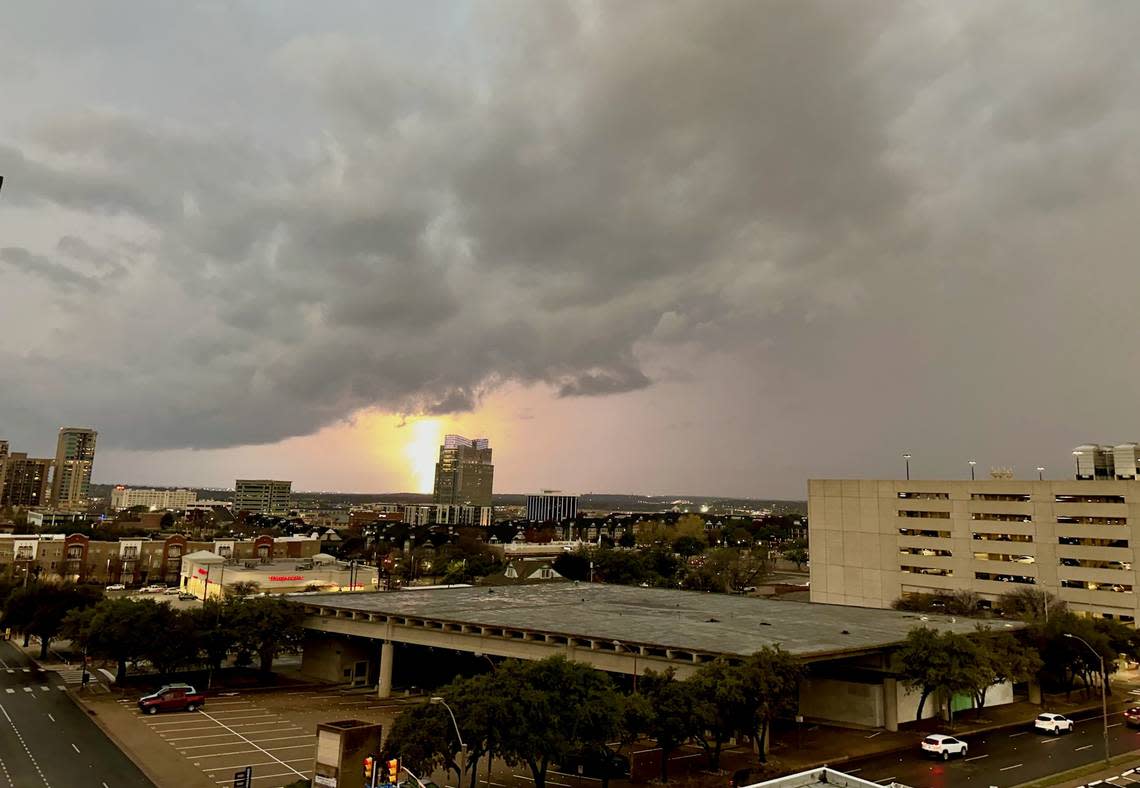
x,y
699,247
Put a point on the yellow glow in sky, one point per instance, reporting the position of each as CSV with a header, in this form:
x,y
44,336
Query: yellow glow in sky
x,y
422,451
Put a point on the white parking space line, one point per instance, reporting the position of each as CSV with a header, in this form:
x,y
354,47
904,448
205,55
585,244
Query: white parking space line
x,y
247,717
299,736
1012,735
200,746
977,757
1086,747
290,768
258,777
204,736
1007,768
204,756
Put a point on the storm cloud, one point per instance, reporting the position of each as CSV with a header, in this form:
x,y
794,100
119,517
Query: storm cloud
x,y
873,211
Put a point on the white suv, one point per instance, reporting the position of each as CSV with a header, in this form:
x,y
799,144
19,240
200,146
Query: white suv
x,y
942,746
1055,724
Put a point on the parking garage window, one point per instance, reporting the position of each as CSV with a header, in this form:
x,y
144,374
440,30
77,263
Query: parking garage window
x,y
1067,520
922,532
927,570
924,551
927,496
919,513
988,537
1021,559
1002,577
1083,542
1089,498
1002,518
999,497
1089,585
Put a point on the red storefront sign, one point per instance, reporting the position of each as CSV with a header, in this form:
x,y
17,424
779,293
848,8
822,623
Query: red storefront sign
x,y
283,578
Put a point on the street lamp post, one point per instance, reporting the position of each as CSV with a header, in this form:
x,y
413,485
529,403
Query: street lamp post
x,y
1040,473
438,701
1103,689
906,457
972,464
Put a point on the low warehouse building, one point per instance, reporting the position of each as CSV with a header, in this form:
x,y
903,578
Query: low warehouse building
x,y
626,630
205,573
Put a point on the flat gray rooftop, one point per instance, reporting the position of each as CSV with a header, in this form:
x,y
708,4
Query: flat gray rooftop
x,y
683,620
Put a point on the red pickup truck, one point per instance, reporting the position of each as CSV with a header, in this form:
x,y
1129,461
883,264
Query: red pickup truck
x,y
172,697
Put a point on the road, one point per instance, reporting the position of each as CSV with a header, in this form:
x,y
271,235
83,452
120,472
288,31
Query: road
x,y
1004,758
46,740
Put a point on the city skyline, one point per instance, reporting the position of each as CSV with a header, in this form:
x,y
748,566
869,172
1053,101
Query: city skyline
x,y
710,248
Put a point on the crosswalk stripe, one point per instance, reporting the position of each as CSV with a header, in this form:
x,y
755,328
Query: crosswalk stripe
x,y
10,691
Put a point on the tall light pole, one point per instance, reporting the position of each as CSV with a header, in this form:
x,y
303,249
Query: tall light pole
x,y
972,464
906,457
1040,473
1103,689
436,700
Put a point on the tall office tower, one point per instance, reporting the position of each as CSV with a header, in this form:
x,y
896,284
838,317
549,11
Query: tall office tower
x,y
74,456
263,496
464,474
3,449
23,480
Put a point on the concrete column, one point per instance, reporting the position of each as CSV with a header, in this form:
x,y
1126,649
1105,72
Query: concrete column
x,y
387,654
1035,692
891,704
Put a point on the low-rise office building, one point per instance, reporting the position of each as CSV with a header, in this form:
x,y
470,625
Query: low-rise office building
x,y
551,506
129,497
874,541
447,514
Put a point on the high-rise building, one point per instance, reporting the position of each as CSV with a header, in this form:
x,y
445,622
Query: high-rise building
x,y
3,449
263,496
464,475
551,506
74,456
23,480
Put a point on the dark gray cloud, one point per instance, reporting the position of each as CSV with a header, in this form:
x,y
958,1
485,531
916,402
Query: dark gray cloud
x,y
878,209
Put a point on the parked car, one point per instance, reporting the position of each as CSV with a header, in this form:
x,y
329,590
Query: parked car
x,y
172,697
171,591
1055,724
939,745
595,764
116,587
185,595
1132,717
152,589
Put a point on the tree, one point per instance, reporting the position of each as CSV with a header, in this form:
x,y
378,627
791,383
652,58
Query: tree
x,y
724,705
674,719
627,539
243,588
423,738
1030,604
797,553
267,626
117,629
573,566
1002,657
936,662
688,546
215,632
41,609
172,639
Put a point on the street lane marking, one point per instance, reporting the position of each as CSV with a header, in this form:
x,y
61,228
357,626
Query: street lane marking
x,y
51,717
27,689
74,747
23,744
1007,768
1086,747
1052,740
976,757
10,691
1116,725
46,689
1018,734
854,771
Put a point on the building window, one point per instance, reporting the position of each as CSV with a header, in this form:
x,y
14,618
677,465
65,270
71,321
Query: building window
x,y
927,570
1088,498
986,537
926,496
1067,520
1081,542
1002,518
1005,578
924,551
920,532
932,515
1024,498
1089,585
74,552
1021,559
1091,563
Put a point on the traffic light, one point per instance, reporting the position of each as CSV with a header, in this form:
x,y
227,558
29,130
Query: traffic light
x,y
393,770
369,767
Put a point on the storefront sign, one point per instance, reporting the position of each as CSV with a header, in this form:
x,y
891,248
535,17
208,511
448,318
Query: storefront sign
x,y
285,578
